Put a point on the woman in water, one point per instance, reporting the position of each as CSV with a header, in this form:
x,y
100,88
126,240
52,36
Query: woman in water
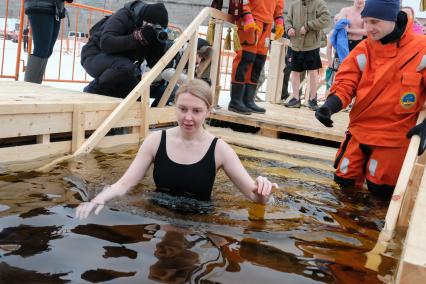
x,y
186,158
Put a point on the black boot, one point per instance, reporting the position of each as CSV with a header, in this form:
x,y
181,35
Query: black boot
x,y
236,104
248,99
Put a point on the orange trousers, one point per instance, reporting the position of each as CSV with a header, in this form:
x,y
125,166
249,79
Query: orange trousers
x,y
249,61
379,165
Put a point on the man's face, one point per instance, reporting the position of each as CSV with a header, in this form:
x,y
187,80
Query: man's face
x,y
359,3
378,29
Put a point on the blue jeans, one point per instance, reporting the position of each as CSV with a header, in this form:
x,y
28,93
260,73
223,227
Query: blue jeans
x,y
45,30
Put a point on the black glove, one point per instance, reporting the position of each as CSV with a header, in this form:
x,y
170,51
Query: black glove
x,y
145,35
323,114
332,105
419,130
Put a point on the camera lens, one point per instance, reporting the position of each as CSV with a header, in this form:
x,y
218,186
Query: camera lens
x,y
162,36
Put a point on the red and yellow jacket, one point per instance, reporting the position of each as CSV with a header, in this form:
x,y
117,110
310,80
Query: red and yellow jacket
x,y
387,118
264,10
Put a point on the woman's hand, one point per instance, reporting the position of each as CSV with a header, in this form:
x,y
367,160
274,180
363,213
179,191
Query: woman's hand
x,y
264,187
83,210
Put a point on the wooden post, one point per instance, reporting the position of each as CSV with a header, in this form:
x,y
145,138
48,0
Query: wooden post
x,y
144,128
192,56
175,78
215,67
276,70
78,131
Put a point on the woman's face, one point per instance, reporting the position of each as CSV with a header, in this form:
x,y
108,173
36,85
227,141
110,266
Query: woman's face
x,y
191,112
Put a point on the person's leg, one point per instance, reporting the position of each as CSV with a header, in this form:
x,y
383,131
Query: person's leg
x,y
42,27
286,79
383,169
252,78
294,102
115,75
53,35
243,62
350,163
313,85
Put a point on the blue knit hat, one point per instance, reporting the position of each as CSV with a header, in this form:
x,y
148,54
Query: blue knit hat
x,y
381,9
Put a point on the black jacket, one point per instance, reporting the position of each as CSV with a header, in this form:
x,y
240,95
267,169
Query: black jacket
x,y
116,37
50,7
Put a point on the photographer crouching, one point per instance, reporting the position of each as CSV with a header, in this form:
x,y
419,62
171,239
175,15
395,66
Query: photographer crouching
x,y
119,43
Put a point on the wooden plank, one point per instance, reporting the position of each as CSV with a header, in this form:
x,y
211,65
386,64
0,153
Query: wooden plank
x,y
161,115
411,194
412,268
192,55
43,139
295,121
170,86
78,130
144,123
34,124
11,155
267,144
273,73
214,69
268,133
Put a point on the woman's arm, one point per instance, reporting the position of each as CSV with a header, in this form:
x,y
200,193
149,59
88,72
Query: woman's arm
x,y
131,177
258,190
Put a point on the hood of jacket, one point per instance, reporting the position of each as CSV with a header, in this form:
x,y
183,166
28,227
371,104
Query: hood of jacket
x,y
136,9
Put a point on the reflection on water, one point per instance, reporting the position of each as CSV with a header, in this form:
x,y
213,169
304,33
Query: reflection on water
x,y
310,232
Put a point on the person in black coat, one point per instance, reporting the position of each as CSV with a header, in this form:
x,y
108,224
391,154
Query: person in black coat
x,y
134,33
45,20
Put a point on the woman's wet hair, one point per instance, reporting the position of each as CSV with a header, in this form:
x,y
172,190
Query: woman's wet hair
x,y
198,88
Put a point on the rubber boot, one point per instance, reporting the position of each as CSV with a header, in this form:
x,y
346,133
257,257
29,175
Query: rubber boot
x,y
35,69
250,93
236,104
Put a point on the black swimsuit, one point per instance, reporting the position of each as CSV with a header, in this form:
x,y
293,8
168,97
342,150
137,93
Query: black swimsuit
x,y
193,180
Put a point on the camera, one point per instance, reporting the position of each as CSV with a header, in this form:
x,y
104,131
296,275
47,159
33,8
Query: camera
x,y
160,33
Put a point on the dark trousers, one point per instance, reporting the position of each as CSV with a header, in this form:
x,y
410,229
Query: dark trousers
x,y
25,40
115,75
157,91
45,30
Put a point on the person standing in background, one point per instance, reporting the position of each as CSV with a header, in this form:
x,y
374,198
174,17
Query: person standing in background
x,y
356,30
304,23
254,31
25,33
45,20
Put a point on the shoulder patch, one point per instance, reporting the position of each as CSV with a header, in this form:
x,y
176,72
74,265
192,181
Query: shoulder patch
x,y
361,59
408,100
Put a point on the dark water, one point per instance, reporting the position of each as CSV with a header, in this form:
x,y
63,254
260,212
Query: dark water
x,y
311,232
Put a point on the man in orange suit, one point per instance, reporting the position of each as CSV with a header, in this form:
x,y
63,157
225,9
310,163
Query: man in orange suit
x,y
254,30
386,74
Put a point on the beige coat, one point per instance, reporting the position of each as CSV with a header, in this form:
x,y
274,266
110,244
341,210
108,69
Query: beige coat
x,y
315,16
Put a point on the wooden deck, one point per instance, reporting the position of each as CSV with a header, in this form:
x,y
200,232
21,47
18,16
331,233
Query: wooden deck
x,y
279,119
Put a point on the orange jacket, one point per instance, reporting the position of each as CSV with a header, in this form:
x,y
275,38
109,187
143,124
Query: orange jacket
x,y
387,118
264,10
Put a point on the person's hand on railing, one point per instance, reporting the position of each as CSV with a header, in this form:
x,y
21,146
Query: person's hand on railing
x,y
279,27
420,130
